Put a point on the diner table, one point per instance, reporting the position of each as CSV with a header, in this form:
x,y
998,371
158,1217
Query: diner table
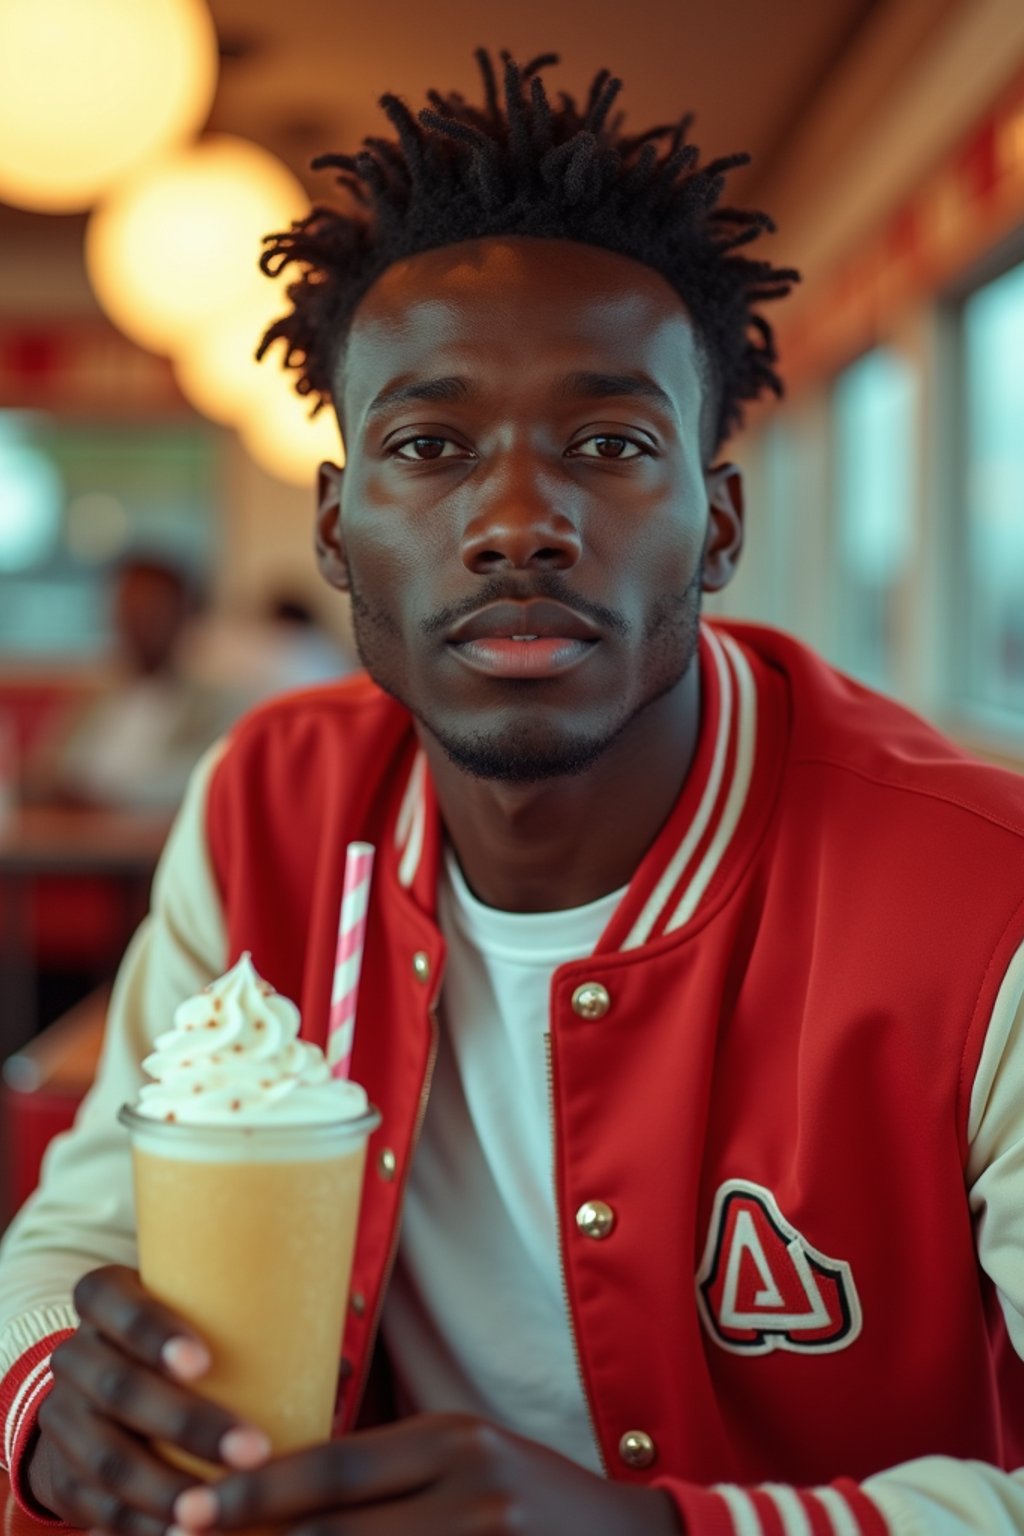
x,y
71,842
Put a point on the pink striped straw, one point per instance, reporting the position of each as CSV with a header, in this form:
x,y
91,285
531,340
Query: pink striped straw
x,y
349,958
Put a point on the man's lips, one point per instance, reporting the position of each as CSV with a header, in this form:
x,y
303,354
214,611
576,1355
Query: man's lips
x,y
539,619
523,640
523,658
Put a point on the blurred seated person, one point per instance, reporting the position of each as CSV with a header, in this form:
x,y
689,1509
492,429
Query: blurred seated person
x,y
301,652
283,646
134,745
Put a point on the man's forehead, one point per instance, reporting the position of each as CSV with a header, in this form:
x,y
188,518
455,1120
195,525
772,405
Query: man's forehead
x,y
581,306
522,272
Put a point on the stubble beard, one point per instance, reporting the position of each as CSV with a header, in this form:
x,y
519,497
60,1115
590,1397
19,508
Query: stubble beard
x,y
525,751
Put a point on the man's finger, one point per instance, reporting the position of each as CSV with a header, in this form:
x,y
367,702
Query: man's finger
x,y
421,1515
82,1503
151,1406
113,1300
375,1465
111,1460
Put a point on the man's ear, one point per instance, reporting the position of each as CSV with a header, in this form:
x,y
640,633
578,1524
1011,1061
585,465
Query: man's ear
x,y
330,547
724,543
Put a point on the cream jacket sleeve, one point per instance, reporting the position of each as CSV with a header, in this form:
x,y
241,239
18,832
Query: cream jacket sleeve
x,y
81,1215
937,1496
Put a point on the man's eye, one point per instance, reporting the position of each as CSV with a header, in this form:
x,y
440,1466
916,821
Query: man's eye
x,y
617,442
424,450
436,444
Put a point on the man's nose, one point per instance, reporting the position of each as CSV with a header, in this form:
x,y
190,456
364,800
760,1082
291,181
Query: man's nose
x,y
517,523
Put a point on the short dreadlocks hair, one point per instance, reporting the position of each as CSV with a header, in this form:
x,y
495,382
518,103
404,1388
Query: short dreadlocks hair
x,y
460,172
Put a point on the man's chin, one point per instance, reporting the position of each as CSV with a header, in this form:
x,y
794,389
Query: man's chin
x,y
518,758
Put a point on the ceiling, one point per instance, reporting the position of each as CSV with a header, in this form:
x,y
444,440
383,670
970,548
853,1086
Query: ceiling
x,y
304,76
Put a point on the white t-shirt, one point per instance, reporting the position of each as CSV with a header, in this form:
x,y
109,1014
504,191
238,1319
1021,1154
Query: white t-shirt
x,y
476,1318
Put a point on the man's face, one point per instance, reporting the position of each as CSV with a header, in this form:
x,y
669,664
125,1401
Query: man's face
x,y
150,612
537,477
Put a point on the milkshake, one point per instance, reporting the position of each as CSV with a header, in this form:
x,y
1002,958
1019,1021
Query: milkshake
x,y
248,1162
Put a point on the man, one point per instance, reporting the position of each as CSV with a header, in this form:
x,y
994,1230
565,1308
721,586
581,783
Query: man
x,y
670,917
137,742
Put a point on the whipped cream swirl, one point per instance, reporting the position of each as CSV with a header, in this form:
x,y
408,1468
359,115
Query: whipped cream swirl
x,y
234,1057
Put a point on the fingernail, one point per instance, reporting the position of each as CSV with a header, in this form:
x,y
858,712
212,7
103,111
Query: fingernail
x,y
245,1447
186,1358
195,1508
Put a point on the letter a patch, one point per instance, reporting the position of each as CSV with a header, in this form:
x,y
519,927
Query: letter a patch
x,y
761,1286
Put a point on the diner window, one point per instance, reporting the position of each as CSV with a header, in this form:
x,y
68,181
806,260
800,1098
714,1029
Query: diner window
x,y
991,596
75,497
874,433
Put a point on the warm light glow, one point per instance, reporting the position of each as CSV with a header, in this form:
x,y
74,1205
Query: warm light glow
x,y
89,89
1010,140
178,246
218,372
279,435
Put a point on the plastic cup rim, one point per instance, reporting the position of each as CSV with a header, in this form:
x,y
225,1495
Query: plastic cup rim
x,y
355,1125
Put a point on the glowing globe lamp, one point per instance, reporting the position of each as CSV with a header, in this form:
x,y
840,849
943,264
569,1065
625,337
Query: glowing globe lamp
x,y
217,369
90,89
278,434
178,247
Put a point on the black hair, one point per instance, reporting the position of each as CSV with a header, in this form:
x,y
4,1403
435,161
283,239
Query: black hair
x,y
460,172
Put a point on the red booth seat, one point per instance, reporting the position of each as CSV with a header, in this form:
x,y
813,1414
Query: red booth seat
x,y
75,923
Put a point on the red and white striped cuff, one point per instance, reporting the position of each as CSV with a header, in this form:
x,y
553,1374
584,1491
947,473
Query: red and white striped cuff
x,y
21,1392
777,1509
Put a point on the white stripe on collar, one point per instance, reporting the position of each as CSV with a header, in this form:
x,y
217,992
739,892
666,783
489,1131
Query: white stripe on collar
x,y
412,821
738,789
655,905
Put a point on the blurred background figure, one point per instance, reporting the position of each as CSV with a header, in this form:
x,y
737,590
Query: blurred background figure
x,y
299,652
135,742
280,645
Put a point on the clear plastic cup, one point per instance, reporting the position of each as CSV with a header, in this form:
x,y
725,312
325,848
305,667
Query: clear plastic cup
x,y
247,1234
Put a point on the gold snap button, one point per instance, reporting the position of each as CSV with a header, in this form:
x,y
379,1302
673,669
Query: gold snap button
x,y
591,1001
637,1449
357,1301
387,1162
595,1219
421,965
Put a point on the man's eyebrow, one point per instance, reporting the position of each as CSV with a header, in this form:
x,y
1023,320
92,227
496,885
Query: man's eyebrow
x,y
602,386
446,390
575,386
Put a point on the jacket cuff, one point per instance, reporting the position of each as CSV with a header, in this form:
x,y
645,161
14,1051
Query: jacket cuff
x,y
21,1392
775,1509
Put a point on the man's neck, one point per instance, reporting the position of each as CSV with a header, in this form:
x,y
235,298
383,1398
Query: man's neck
x,y
563,842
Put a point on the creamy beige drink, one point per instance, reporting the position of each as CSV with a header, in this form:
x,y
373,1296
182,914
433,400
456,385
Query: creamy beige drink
x,y
248,1162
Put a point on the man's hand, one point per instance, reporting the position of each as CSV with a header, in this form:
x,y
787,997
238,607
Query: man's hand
x,y
433,1475
117,1384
